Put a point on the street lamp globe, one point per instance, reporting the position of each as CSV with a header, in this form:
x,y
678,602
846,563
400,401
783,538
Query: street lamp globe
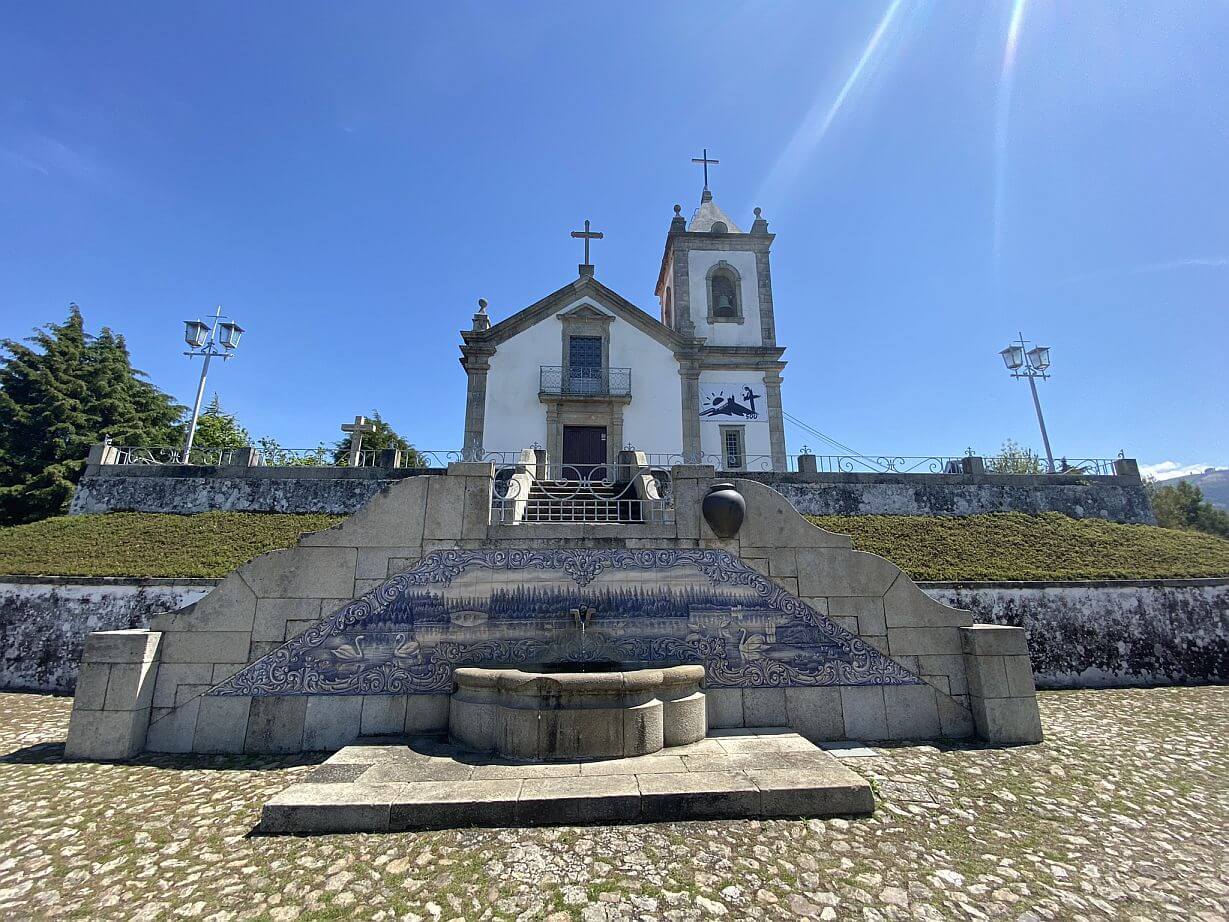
x,y
1039,357
230,334
1013,357
195,333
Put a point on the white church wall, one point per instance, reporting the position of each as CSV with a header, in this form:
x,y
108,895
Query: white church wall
x,y
756,435
516,418
653,421
746,333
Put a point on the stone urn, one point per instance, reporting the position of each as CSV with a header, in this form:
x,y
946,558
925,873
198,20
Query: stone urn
x,y
724,509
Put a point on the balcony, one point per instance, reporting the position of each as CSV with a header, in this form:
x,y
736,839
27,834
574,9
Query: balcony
x,y
578,381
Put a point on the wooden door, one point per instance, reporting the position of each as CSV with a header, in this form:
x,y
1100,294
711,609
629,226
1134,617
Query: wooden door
x,y
584,445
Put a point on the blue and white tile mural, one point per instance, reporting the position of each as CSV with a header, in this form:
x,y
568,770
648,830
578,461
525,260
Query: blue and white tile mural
x,y
523,607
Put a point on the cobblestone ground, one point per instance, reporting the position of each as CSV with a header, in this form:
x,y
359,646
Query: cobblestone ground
x,y
1122,813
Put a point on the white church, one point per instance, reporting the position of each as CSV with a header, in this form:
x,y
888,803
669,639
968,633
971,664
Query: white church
x,y
584,373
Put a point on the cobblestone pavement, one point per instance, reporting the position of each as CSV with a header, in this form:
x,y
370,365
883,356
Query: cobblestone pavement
x,y
1122,813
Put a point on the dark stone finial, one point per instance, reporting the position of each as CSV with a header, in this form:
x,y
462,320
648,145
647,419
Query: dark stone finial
x,y
678,209
757,210
482,305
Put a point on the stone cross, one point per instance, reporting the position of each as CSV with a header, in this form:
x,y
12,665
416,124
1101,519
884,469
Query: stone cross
x,y
356,430
703,158
588,235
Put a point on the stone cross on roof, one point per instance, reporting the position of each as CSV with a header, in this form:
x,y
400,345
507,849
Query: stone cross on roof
x,y
588,235
356,429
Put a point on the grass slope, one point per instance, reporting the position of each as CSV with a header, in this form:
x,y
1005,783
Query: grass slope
x,y
1015,546
1007,546
144,544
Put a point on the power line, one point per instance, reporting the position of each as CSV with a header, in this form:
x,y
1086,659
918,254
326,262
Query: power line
x,y
815,432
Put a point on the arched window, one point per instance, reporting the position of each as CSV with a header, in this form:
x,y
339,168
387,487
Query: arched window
x,y
724,300
718,227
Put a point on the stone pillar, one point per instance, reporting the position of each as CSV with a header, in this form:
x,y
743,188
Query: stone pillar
x,y
776,424
462,512
114,690
972,464
1126,467
1002,695
808,464
477,364
389,458
689,375
102,453
689,483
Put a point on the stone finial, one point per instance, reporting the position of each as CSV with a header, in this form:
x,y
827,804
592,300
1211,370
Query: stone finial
x,y
481,320
678,224
759,225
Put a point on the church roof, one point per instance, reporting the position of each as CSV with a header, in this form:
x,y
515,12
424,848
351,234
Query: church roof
x,y
709,214
585,286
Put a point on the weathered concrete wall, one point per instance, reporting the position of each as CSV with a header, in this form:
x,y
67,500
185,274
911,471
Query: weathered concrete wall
x,y
1089,634
1081,634
342,491
1116,499
189,489
44,620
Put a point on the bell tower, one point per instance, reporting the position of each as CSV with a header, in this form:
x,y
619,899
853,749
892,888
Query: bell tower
x,y
714,289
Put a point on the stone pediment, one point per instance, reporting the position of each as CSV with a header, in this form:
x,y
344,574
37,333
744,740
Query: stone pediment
x,y
512,608
586,287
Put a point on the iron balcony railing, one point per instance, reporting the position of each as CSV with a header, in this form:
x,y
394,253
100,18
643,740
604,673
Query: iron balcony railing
x,y
576,381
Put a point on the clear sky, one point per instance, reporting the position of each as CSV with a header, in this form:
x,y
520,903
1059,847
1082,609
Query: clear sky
x,y
347,179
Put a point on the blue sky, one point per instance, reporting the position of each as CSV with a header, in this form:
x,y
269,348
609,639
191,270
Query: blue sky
x,y
348,179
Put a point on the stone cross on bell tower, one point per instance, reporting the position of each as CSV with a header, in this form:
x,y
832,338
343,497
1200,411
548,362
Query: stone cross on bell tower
x,y
357,429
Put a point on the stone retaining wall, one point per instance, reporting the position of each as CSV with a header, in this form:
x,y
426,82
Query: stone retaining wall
x,y
44,620
342,491
1081,634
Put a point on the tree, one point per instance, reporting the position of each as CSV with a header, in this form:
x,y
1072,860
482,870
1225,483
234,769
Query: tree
x,y
218,429
384,437
1015,459
1181,505
59,395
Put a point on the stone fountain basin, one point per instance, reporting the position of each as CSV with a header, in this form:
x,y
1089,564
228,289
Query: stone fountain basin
x,y
540,714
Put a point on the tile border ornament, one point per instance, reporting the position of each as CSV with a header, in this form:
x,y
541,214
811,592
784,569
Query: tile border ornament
x,y
732,658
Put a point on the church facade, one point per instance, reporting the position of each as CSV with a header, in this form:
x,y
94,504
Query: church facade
x,y
584,373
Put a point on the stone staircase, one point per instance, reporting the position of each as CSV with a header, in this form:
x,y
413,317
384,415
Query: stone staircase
x,y
582,501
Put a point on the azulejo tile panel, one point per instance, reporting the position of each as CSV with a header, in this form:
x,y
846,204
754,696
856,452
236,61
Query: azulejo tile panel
x,y
525,607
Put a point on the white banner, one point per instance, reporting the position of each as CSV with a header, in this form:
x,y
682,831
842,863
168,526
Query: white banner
x,y
733,402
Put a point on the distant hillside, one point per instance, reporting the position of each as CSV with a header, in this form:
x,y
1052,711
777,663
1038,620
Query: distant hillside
x,y
1214,484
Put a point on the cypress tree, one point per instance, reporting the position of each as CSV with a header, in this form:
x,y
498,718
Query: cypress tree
x,y
61,391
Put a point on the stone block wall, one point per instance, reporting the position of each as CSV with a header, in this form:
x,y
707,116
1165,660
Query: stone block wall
x,y
273,599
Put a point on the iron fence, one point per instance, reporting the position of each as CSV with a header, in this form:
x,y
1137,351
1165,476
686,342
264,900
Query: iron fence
x,y
534,492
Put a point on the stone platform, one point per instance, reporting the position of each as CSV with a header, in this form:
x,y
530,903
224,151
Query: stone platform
x,y
390,785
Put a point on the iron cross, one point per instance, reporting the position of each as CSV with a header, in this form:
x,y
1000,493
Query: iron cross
x,y
588,235
703,158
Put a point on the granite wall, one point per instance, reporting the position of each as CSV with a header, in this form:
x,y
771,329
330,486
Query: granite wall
x,y
1089,634
44,620
342,491
1116,499
1081,634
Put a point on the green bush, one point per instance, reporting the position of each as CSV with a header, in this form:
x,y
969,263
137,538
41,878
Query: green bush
x,y
1015,546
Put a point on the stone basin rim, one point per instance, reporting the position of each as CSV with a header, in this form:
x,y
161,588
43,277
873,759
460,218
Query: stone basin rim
x,y
509,678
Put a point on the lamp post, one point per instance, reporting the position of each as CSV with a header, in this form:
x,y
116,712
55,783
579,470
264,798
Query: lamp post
x,y
1031,364
207,340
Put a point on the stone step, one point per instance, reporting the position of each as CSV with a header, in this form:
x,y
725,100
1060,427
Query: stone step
x,y
431,785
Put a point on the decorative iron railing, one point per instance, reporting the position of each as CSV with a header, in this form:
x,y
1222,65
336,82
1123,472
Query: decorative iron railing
x,y
579,381
535,492
166,454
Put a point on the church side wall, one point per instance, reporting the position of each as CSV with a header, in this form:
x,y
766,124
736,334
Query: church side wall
x,y
653,420
746,333
515,418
